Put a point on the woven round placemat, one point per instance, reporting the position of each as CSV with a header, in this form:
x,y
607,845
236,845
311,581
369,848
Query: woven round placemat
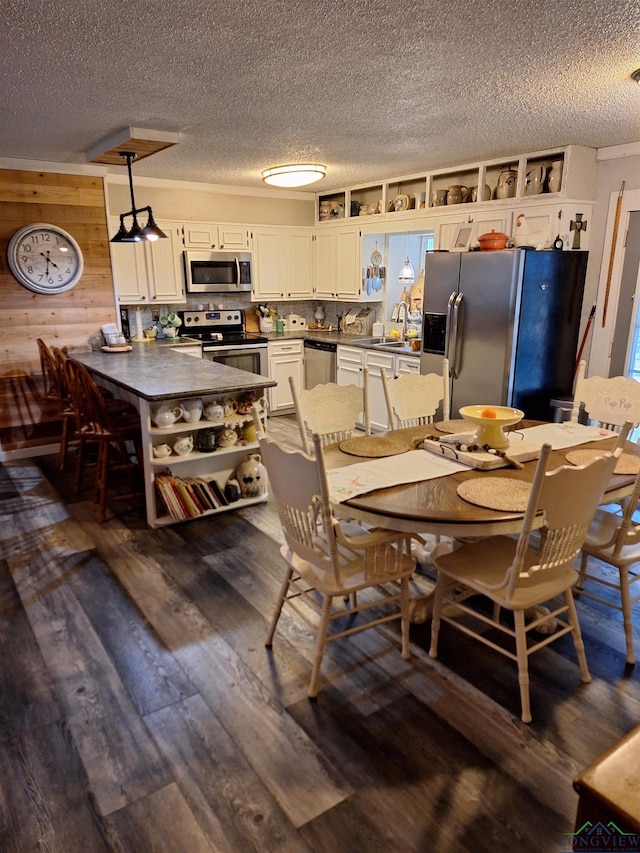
x,y
456,425
626,464
372,446
496,493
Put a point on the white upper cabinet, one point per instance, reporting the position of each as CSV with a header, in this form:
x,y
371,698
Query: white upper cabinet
x,y
338,271
149,272
283,263
210,235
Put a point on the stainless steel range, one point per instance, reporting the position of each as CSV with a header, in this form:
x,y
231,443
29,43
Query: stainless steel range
x,y
225,340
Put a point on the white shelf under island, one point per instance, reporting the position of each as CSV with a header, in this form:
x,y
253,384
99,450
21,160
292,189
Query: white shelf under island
x,y
151,375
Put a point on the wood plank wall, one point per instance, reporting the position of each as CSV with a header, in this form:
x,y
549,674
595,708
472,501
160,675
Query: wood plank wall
x,y
75,203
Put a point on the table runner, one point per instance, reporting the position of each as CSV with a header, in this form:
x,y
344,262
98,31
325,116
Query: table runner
x,y
560,436
410,467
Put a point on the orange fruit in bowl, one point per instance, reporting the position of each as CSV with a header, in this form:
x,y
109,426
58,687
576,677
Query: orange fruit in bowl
x,y
488,413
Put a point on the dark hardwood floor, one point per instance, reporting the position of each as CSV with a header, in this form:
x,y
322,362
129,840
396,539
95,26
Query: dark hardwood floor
x,y
140,710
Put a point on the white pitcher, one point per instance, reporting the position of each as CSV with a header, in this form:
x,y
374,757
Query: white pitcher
x,y
192,410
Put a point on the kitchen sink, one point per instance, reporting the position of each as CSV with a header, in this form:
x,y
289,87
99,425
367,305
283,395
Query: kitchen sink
x,y
396,346
370,341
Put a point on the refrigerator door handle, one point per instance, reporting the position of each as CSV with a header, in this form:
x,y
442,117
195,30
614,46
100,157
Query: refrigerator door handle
x,y
448,331
453,350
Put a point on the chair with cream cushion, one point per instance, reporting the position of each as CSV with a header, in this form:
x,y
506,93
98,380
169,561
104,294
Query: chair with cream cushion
x,y
516,576
608,402
414,398
329,561
330,411
614,538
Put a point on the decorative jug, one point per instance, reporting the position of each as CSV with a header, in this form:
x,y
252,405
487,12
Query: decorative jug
x,y
457,193
165,416
534,180
252,476
439,197
184,445
507,181
192,410
555,176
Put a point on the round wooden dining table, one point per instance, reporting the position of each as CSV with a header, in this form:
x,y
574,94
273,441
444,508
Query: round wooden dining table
x,y
434,506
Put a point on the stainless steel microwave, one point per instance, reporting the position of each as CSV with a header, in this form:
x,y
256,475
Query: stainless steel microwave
x,y
217,272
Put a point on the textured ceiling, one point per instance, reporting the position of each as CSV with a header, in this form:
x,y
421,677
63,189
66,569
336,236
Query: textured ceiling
x,y
373,89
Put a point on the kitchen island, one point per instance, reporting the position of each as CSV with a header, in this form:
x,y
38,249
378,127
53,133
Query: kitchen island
x,y
150,376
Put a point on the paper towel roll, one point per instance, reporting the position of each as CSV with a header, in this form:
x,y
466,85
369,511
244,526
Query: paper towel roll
x,y
139,336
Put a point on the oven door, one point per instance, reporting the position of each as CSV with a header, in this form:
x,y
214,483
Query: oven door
x,y
250,357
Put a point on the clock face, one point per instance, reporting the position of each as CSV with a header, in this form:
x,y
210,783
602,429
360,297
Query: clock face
x,y
45,258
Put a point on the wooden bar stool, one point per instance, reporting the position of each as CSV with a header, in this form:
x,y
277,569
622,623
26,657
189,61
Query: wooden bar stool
x,y
109,431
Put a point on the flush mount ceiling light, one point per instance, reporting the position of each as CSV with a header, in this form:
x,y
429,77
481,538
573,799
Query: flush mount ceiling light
x,y
136,234
636,76
294,175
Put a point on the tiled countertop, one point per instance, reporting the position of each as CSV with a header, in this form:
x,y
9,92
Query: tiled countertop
x,y
157,371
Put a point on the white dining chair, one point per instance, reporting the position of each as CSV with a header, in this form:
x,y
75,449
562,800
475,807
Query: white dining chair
x,y
332,559
331,411
614,538
607,402
413,399
516,576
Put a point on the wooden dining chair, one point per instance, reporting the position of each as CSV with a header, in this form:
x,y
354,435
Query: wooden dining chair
x,y
516,576
330,411
608,402
414,398
331,559
614,538
110,432
49,371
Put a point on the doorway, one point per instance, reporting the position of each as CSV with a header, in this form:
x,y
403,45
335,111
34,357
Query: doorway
x,y
625,349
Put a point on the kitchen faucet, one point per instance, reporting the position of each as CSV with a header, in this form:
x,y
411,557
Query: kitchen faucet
x,y
405,317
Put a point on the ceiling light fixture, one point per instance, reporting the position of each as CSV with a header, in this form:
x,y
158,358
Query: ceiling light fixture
x,y
636,76
407,273
136,234
294,175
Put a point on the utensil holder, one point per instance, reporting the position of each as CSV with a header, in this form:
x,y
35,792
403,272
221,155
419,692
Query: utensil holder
x,y
266,325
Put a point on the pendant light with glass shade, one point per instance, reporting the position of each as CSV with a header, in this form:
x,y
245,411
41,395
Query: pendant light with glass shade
x,y
407,274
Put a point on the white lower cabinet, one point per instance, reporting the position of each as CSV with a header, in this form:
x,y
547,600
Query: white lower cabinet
x,y
407,364
349,364
374,360
351,361
181,487
286,358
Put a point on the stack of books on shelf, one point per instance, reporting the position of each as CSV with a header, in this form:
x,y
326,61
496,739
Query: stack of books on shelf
x,y
188,497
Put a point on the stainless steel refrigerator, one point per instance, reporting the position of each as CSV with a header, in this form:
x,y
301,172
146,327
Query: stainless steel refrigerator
x,y
508,322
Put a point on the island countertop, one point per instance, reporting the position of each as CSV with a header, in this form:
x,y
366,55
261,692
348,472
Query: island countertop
x,y
162,373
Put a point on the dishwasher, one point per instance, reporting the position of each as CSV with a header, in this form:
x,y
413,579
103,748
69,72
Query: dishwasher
x,y
319,362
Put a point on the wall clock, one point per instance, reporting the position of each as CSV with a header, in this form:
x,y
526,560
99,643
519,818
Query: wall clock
x,y
45,258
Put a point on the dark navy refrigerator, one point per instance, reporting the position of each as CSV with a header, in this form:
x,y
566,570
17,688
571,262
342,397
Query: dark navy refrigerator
x,y
508,321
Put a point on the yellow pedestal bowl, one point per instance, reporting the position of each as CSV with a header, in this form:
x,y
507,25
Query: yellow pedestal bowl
x,y
490,429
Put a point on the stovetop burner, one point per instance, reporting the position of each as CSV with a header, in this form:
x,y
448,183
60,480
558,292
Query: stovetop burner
x,y
219,328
